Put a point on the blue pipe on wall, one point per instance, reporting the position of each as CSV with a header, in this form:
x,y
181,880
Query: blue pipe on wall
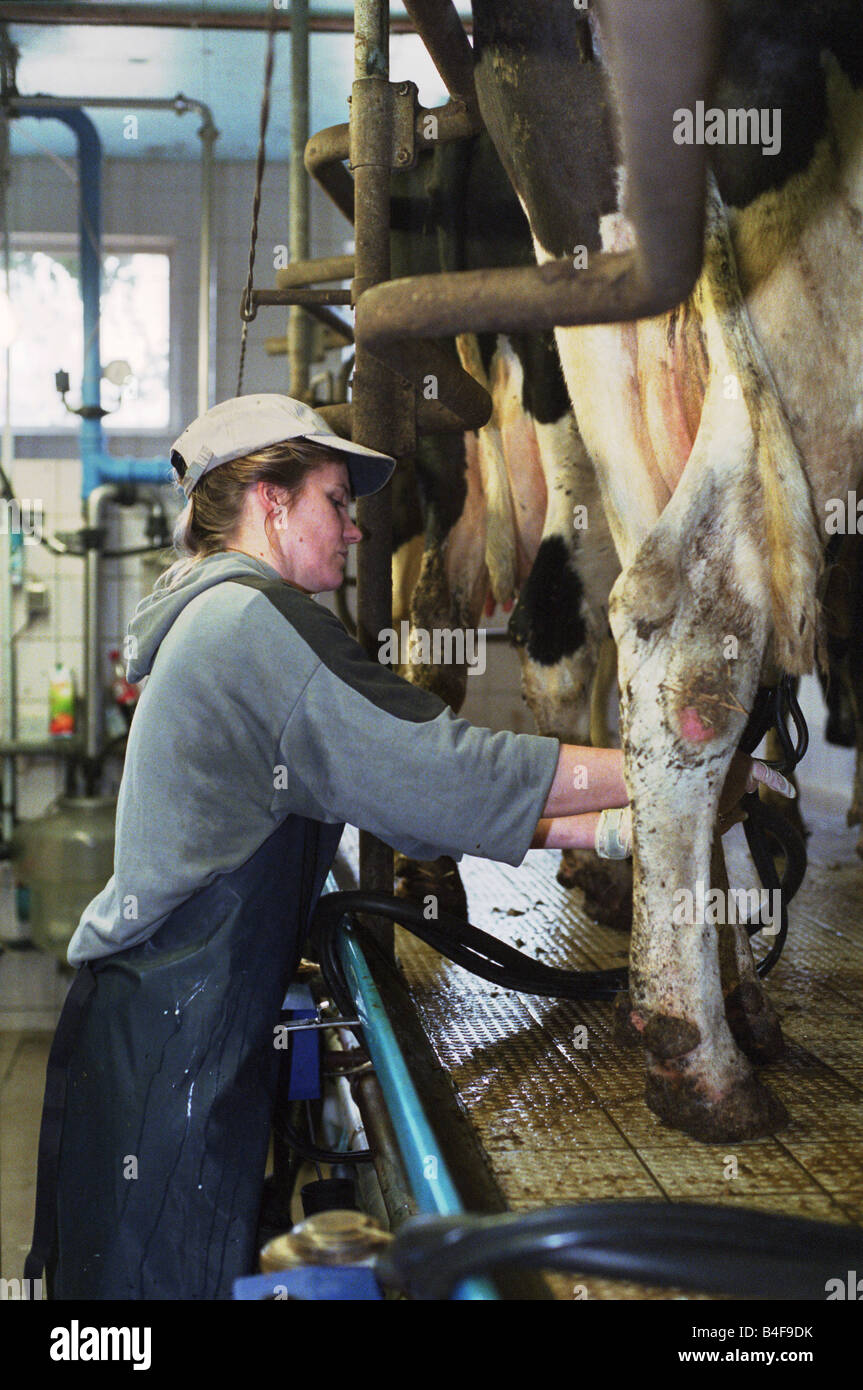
x,y
97,466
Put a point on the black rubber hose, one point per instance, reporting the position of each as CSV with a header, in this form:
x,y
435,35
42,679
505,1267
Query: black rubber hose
x,y
696,1247
306,1149
460,942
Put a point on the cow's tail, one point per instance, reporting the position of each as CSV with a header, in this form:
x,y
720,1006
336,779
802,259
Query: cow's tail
x,y
791,543
794,551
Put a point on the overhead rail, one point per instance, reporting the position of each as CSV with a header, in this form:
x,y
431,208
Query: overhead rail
x,y
160,16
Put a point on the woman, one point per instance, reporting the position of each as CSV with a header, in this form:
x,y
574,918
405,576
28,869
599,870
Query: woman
x,y
262,728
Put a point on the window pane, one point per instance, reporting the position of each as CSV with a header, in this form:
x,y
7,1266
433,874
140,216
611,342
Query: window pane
x,y
47,312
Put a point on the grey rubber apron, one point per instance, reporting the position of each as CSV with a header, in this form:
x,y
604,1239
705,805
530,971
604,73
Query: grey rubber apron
x,y
160,1088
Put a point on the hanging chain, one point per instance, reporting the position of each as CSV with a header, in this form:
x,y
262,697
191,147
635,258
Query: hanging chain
x,y
247,307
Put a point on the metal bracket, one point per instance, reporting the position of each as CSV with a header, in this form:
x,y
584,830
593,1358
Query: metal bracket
x,y
405,105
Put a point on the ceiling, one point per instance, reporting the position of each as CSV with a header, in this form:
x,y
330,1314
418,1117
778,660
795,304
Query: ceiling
x,y
222,67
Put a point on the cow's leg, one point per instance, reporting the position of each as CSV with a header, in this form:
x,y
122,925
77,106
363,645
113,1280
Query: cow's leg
x,y
453,581
694,584
448,597
560,621
407,564
560,627
853,548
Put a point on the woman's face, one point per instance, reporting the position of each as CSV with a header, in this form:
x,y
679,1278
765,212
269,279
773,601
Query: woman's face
x,y
311,537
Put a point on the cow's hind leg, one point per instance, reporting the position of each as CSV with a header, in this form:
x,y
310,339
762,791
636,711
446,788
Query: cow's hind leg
x,y
684,701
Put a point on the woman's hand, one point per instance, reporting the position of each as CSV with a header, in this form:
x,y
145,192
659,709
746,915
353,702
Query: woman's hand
x,y
744,775
613,832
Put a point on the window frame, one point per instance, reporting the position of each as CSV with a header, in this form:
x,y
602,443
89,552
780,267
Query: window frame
x,y
118,244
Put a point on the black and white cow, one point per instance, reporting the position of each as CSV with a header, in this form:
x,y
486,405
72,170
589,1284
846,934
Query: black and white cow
x,y
720,431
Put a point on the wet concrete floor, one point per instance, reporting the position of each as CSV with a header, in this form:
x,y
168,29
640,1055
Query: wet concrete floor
x,y
556,1103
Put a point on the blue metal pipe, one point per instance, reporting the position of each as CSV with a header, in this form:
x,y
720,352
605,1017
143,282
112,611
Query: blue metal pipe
x,y
431,1184
97,466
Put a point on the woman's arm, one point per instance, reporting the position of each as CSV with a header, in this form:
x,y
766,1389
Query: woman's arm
x,y
566,832
586,779
590,780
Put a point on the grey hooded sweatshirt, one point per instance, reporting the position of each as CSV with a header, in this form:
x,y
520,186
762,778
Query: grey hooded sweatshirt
x,y
258,706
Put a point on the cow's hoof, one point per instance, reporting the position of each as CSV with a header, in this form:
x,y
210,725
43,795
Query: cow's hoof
x,y
754,1024
628,1023
859,846
417,880
747,1111
606,884
854,816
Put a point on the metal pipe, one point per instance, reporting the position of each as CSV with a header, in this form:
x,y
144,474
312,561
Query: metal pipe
x,y
277,347
299,326
41,748
206,276
300,296
659,63
441,30
180,104
180,17
318,270
429,1178
328,148
8,679
324,154
95,508
90,238
366,1093
208,134
374,399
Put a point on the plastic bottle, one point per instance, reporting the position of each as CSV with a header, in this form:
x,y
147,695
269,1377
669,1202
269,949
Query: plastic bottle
x,y
61,698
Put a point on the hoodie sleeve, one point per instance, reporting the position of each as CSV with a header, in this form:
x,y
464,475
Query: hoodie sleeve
x,y
364,746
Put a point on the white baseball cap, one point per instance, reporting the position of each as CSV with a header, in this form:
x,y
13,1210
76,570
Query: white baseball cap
x,y
246,423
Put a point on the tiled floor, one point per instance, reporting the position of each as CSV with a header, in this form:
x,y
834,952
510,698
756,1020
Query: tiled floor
x,y
562,1123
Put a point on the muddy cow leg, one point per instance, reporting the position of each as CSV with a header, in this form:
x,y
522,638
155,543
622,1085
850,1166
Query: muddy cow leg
x,y
683,707
696,583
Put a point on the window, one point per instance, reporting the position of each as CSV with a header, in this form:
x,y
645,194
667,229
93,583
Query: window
x,y
46,330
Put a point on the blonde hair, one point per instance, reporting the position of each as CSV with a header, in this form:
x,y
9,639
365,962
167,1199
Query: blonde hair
x,y
211,517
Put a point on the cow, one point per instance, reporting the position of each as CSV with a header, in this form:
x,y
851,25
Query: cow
x,y
719,431
502,511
